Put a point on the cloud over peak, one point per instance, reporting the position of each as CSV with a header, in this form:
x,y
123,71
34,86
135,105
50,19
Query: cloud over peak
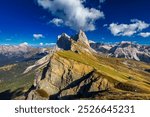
x,y
38,36
128,29
73,13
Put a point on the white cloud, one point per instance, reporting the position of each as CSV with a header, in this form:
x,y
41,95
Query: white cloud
x,y
105,25
145,34
38,36
128,29
23,44
50,44
73,13
56,21
41,44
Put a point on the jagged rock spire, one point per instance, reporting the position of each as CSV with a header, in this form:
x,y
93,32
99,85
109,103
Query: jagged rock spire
x,y
65,42
83,38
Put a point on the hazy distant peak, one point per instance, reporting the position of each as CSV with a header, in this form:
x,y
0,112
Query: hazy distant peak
x,y
24,44
91,41
124,49
129,42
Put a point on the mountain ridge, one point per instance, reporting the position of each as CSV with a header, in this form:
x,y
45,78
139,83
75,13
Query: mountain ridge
x,y
79,73
124,49
17,53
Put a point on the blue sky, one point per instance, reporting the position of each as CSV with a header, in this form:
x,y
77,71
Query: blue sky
x,y
41,21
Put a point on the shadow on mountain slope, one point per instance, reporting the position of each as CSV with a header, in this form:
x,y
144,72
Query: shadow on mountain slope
x,y
8,95
83,92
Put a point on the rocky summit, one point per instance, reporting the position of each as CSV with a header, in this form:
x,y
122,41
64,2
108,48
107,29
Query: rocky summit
x,y
77,43
76,71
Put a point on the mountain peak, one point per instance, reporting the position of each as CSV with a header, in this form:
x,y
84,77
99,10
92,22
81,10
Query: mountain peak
x,y
66,42
63,35
125,42
81,31
81,36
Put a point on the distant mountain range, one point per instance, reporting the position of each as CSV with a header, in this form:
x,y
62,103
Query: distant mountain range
x,y
14,54
124,49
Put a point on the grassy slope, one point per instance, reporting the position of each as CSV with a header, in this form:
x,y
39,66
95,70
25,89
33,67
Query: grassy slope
x,y
131,76
12,78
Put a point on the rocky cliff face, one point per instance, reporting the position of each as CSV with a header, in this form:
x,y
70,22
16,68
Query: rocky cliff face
x,y
81,37
64,42
76,43
67,79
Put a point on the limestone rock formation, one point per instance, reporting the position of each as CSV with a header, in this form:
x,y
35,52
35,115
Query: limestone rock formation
x,y
67,79
81,37
64,42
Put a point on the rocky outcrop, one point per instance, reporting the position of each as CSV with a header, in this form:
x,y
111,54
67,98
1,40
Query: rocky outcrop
x,y
41,61
64,42
67,79
81,37
76,43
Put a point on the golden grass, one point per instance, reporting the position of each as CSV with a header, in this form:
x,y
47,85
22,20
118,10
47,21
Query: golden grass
x,y
114,69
